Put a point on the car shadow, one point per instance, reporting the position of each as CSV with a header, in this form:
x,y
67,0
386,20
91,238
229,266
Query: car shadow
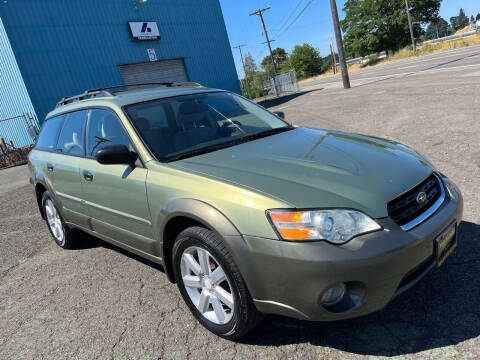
x,y
268,103
443,309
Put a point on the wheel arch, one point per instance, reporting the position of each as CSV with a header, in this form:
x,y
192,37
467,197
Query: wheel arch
x,y
183,213
40,188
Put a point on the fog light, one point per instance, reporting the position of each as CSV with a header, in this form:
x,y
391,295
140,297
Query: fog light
x,y
334,294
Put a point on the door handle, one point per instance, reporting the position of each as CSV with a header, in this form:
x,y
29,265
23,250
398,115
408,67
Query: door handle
x,y
49,167
87,175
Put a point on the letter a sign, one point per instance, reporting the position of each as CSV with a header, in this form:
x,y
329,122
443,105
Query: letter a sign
x,y
144,31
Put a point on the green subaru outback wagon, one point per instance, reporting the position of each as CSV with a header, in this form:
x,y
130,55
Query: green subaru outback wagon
x,y
248,214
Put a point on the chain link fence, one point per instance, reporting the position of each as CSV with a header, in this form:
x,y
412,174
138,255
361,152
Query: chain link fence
x,y
262,85
17,135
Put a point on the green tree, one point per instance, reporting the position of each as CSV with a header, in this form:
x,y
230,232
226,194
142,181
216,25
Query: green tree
x,y
279,55
250,65
437,28
306,60
460,21
375,25
478,17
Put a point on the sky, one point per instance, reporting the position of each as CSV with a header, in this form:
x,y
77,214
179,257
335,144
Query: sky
x,y
314,25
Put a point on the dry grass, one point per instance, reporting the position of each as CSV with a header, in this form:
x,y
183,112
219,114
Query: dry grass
x,y
432,48
464,30
408,52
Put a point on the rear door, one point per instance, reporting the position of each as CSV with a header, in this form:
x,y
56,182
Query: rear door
x,y
44,156
115,195
64,166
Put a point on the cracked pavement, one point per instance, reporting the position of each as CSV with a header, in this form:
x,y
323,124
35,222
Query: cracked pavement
x,y
100,302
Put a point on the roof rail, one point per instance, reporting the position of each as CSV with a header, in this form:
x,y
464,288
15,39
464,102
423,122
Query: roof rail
x,y
88,94
103,91
188,83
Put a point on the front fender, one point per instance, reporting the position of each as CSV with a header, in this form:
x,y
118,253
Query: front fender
x,y
198,211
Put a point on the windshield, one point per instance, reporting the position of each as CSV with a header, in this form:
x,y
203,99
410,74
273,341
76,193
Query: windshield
x,y
183,126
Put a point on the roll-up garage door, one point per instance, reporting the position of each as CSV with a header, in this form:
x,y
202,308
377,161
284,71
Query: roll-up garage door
x,y
154,72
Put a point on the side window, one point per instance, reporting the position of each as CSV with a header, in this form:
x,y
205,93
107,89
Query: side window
x,y
71,139
48,136
103,129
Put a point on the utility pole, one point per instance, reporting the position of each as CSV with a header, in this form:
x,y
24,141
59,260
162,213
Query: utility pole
x,y
414,46
341,51
334,58
260,12
239,47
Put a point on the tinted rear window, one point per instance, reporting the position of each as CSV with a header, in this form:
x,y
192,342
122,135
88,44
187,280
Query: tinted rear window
x,y
48,136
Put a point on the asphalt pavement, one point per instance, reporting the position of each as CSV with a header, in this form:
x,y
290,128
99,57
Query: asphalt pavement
x,y
100,302
466,58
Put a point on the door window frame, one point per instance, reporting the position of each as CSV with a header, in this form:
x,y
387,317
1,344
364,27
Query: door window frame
x,y
65,115
139,163
53,150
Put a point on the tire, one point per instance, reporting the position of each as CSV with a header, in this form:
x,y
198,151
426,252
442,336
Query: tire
x,y
69,237
219,290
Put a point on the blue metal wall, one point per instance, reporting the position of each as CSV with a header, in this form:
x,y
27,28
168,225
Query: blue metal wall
x,y
64,46
14,98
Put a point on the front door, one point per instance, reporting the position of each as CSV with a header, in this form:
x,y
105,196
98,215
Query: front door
x,y
115,196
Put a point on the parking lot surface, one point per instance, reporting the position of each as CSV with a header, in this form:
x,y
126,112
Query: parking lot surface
x,y
100,302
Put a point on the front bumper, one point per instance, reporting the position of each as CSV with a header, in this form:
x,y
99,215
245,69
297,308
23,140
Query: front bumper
x,y
288,278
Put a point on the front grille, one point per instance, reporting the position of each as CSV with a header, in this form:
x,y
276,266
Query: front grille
x,y
405,208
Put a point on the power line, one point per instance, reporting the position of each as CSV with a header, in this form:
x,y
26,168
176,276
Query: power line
x,y
239,47
260,12
259,54
294,20
288,17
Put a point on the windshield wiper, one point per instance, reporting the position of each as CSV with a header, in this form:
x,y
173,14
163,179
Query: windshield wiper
x,y
229,143
199,151
265,133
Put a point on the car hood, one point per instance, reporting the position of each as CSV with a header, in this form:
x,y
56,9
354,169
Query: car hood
x,y
314,168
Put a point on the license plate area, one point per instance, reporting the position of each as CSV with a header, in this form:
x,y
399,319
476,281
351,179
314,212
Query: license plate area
x,y
446,242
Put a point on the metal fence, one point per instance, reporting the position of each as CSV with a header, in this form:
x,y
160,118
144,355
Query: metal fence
x,y
17,135
285,83
361,60
262,85
21,129
451,37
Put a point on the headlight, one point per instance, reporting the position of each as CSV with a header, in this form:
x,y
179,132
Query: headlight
x,y
450,187
334,225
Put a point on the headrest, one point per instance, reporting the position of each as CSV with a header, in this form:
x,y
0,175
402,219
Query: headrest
x,y
191,115
142,123
192,107
109,125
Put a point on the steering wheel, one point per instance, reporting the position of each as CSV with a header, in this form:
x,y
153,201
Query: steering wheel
x,y
228,128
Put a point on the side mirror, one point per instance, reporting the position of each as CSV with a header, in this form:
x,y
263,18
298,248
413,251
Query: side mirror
x,y
280,114
115,154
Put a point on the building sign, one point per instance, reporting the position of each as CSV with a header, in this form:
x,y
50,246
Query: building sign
x,y
147,30
152,55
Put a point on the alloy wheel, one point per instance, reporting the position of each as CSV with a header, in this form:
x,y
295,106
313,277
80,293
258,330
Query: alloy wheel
x,y
207,285
54,221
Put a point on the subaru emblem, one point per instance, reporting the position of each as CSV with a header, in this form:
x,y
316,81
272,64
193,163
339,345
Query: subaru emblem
x,y
421,198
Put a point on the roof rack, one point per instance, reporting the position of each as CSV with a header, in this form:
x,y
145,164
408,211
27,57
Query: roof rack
x,y
103,91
